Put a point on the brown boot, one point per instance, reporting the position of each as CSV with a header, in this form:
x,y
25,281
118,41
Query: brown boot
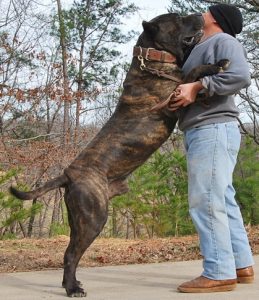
x,y
245,275
205,285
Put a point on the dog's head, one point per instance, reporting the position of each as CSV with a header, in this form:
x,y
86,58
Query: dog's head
x,y
173,33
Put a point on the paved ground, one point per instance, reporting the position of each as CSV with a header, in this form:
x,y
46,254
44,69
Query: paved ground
x,y
131,282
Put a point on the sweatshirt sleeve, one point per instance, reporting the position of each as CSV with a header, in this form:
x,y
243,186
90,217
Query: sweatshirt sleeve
x,y
236,77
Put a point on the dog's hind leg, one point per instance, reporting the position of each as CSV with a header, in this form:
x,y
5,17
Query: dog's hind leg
x,y
87,204
72,233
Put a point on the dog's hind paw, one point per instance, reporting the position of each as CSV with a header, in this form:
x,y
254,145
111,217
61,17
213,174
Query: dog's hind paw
x,y
76,292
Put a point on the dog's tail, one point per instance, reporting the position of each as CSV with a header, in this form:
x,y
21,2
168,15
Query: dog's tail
x,y
48,186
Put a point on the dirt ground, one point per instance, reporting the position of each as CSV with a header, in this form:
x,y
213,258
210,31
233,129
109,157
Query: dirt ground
x,y
42,254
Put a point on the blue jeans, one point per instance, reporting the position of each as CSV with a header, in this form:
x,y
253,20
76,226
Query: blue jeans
x,y
211,157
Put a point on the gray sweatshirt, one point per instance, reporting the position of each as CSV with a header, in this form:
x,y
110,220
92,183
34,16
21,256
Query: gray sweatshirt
x,y
220,106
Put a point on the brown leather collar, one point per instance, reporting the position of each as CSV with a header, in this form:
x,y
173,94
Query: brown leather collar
x,y
154,55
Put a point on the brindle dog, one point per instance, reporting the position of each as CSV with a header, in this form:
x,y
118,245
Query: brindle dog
x,y
131,135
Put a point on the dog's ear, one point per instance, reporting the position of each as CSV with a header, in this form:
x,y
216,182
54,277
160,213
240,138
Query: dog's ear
x,y
150,27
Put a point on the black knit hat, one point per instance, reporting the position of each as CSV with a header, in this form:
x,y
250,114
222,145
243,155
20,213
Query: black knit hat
x,y
228,17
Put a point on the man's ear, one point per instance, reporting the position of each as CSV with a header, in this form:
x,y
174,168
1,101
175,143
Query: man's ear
x,y
150,27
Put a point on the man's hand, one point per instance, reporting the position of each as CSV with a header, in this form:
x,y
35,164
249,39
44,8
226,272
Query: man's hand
x,y
185,94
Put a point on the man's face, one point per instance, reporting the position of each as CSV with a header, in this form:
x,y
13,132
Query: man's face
x,y
208,19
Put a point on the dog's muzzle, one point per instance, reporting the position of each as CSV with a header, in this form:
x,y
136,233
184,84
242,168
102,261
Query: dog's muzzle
x,y
194,39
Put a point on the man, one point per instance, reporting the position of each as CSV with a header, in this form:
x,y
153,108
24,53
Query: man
x,y
212,141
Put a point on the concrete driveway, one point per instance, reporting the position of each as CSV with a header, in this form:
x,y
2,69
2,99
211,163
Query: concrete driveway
x,y
129,282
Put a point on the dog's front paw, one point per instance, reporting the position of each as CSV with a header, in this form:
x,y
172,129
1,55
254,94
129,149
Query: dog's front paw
x,y
223,64
76,292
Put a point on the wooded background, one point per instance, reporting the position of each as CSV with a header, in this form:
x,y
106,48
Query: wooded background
x,y
61,77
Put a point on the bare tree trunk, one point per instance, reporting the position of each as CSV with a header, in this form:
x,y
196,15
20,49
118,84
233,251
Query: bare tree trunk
x,y
128,225
22,229
56,210
66,127
114,222
80,76
31,221
150,235
43,219
79,90
63,217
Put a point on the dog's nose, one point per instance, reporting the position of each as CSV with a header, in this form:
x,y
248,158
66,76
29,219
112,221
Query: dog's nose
x,y
200,16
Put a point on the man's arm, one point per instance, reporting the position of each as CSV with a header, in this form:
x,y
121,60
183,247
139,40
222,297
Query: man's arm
x,y
235,78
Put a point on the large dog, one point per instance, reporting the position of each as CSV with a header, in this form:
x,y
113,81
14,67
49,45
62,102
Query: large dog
x,y
131,135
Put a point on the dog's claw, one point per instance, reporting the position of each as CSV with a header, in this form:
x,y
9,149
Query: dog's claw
x,y
76,293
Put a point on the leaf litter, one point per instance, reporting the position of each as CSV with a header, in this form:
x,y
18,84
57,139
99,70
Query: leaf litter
x,y
41,254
